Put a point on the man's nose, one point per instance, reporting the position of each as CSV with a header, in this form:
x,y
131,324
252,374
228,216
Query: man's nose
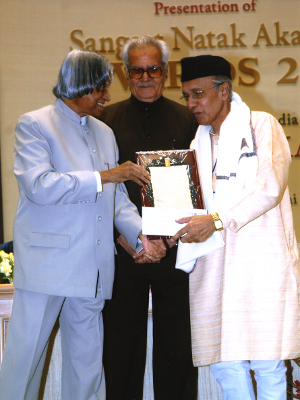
x,y
107,96
191,103
145,76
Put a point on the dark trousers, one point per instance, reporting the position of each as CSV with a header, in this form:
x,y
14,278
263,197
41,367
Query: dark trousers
x,y
125,332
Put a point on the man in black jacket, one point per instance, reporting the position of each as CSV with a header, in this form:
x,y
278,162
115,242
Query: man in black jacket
x,y
147,121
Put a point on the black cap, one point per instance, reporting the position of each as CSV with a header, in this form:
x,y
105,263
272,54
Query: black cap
x,y
202,66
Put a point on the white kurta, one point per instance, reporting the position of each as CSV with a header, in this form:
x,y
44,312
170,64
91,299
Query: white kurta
x,y
245,296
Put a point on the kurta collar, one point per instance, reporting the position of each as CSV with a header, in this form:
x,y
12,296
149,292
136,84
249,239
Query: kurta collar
x,y
84,120
145,105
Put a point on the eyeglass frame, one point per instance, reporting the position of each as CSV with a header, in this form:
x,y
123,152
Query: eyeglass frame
x,y
146,70
196,94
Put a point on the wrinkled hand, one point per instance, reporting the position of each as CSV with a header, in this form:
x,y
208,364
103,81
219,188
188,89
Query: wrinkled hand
x,y
198,229
127,171
154,251
170,242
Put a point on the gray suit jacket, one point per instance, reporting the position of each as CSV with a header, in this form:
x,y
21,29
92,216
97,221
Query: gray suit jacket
x,y
63,230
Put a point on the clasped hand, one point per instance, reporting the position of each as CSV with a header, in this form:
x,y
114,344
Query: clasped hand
x,y
153,250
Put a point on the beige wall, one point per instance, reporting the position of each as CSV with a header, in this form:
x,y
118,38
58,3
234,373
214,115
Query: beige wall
x,y
37,34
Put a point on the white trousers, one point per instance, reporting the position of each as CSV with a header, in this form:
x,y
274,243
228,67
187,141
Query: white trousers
x,y
236,381
32,319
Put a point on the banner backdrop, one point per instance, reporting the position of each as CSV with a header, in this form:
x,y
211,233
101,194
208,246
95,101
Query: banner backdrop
x,y
260,38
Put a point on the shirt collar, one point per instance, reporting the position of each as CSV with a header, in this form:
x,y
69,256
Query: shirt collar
x,y
69,113
147,105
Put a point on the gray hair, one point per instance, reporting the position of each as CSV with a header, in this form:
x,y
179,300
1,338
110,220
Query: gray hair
x,y
141,43
219,79
81,72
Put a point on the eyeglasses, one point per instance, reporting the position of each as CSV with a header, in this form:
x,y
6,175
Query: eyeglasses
x,y
195,94
137,73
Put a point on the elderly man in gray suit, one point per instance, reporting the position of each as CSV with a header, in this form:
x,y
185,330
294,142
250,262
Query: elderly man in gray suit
x,y
71,195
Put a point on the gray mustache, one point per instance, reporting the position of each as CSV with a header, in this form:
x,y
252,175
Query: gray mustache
x,y
140,84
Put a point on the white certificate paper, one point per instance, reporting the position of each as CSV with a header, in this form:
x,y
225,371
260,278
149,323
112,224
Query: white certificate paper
x,y
171,186
160,221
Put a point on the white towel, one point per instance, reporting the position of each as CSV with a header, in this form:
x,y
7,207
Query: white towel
x,y
236,169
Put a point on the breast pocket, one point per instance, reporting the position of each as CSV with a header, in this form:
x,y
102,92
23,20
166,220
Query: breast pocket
x,y
49,240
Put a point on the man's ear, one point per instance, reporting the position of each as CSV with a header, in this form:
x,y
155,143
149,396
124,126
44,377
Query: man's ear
x,y
225,90
126,73
167,71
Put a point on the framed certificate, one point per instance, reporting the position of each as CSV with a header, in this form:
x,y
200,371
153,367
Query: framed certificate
x,y
173,192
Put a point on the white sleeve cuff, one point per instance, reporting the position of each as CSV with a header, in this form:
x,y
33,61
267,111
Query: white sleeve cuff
x,y
98,179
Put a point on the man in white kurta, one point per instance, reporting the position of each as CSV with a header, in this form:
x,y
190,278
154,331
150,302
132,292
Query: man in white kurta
x,y
244,295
